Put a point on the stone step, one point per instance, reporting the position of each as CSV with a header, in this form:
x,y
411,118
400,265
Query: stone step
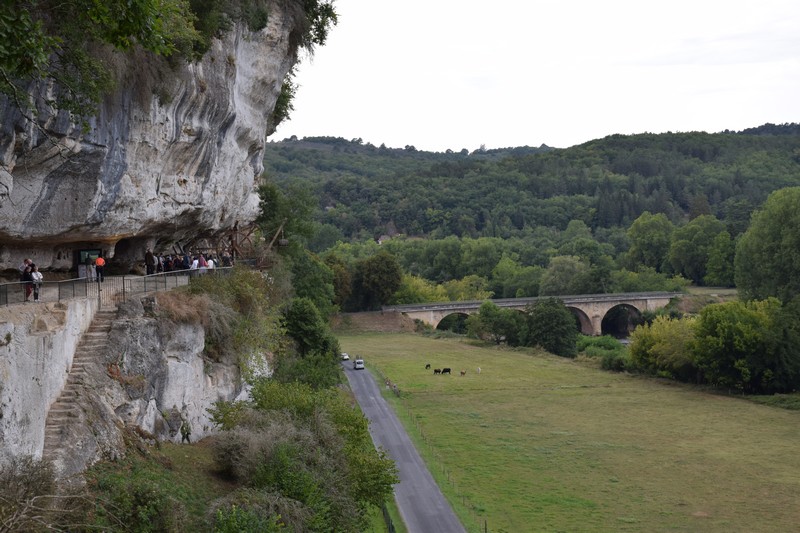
x,y
60,421
94,338
89,352
95,335
65,414
99,341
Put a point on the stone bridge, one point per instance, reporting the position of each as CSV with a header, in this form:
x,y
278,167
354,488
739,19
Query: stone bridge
x,y
589,309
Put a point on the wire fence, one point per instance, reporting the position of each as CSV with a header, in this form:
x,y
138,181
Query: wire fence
x,y
110,291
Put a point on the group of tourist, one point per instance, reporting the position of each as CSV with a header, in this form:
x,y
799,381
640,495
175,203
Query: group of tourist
x,y
202,262
95,269
31,278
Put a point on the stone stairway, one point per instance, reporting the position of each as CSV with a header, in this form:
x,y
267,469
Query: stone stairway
x,y
66,409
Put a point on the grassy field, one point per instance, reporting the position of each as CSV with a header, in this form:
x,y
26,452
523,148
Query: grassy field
x,y
540,443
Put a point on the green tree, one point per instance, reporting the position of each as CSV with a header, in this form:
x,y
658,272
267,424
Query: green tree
x,y
688,254
287,211
551,326
479,256
664,347
767,261
650,237
587,249
57,41
342,279
512,280
646,279
732,344
414,289
486,323
310,332
375,281
781,372
719,268
470,287
564,275
313,279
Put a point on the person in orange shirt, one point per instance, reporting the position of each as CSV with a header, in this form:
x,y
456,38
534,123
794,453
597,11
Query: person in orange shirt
x,y
99,266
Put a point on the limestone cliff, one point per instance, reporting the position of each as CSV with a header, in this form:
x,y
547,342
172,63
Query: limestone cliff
x,y
152,375
171,155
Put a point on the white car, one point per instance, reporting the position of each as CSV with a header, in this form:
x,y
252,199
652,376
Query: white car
x,y
345,356
358,364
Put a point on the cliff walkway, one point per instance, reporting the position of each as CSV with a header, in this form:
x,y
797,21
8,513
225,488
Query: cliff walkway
x,y
67,396
109,293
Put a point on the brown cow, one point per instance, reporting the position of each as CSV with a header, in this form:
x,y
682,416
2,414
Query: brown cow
x,y
463,372
437,371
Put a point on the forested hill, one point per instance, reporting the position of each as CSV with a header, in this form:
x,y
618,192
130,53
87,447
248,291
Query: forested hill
x,y
367,191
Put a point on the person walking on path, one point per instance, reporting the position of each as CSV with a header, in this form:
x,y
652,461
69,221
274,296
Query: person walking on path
x,y
186,431
99,268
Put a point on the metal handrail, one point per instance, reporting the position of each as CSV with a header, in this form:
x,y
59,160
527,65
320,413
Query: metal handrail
x,y
112,290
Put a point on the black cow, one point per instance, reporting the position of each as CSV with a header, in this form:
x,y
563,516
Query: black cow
x,y
428,366
445,371
437,371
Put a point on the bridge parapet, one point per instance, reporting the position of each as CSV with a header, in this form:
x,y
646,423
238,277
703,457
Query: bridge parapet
x,y
593,306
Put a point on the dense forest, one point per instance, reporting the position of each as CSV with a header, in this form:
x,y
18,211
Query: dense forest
x,y
367,226
623,213
366,191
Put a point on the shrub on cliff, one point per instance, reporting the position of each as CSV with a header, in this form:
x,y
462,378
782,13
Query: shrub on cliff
x,y
307,453
243,319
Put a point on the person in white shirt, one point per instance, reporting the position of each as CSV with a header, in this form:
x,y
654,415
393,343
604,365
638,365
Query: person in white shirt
x,y
37,278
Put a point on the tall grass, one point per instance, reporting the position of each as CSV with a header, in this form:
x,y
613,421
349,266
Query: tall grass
x,y
541,443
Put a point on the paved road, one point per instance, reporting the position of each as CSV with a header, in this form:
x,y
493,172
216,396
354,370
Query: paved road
x,y
421,503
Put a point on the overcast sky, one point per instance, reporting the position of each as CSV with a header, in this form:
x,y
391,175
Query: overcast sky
x,y
453,74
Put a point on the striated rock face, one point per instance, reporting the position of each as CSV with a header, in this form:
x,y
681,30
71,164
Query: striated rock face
x,y
164,377
153,376
37,346
170,157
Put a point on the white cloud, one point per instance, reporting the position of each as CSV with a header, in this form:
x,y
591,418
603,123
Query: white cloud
x,y
458,74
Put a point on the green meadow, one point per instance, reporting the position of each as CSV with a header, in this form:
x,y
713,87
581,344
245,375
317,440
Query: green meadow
x,y
536,442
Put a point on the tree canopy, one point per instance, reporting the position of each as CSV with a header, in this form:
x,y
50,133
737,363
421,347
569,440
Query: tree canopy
x,y
58,41
768,254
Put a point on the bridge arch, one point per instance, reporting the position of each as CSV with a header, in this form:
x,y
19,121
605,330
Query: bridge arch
x,y
582,320
592,307
455,322
620,320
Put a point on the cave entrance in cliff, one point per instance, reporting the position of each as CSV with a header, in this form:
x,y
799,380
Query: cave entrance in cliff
x,y
85,261
127,254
